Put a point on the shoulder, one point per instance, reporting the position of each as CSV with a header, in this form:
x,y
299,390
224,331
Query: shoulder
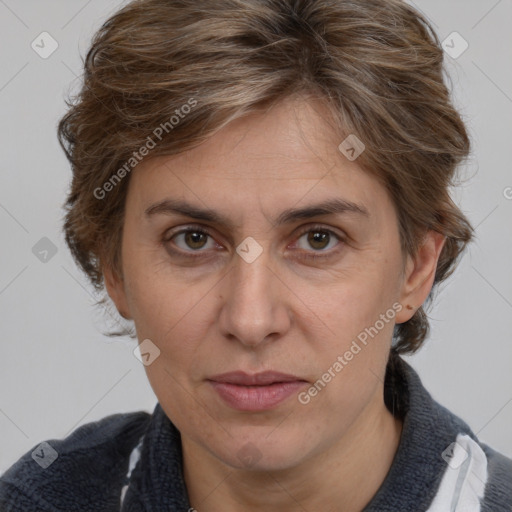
x,y
476,476
498,491
69,474
473,467
439,450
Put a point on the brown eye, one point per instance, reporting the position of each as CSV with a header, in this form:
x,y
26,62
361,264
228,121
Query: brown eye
x,y
191,240
195,239
318,239
317,242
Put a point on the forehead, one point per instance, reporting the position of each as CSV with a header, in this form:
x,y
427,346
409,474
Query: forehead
x,y
288,153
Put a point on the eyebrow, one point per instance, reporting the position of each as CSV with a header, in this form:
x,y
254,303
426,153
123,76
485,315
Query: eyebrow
x,y
329,207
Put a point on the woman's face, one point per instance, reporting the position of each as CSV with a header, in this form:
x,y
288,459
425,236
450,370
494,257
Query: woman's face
x,y
257,286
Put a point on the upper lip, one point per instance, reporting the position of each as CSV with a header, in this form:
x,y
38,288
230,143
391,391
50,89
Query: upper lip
x,y
257,379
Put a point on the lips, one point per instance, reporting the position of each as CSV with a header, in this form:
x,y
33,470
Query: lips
x,y
257,392
258,379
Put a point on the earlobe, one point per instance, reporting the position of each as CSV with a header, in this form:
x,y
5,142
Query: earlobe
x,y
419,275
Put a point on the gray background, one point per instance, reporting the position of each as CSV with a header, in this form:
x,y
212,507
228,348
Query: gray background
x,y
57,371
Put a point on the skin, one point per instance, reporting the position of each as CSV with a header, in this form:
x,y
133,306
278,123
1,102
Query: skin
x,y
284,312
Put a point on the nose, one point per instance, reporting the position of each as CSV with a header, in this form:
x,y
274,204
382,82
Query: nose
x,y
256,302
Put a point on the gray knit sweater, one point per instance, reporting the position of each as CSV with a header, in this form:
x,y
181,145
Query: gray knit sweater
x,y
133,462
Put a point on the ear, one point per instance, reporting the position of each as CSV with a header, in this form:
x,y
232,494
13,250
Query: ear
x,y
116,290
419,275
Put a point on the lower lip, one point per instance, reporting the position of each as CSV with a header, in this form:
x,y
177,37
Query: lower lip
x,y
256,398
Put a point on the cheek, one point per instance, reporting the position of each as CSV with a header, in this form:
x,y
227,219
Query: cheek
x,y
358,310
357,299
350,364
182,404
176,314
161,301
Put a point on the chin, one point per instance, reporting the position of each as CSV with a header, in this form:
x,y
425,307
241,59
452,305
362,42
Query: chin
x,y
259,453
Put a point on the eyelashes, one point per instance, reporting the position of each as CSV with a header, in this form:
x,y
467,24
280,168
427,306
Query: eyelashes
x,y
199,235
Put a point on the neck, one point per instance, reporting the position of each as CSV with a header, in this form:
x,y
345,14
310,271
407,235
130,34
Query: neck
x,y
346,476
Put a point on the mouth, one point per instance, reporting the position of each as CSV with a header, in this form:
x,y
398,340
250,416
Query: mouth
x,y
257,392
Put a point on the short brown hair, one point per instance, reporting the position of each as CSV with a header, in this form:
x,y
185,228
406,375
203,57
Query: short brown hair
x,y
376,64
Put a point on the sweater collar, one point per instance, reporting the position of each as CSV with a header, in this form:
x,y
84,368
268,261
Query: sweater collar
x,y
428,429
157,482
